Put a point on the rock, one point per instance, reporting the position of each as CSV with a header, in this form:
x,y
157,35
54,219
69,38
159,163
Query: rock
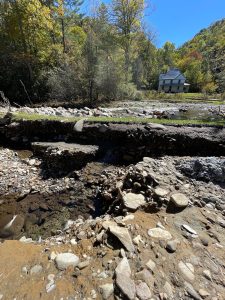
x,y
159,233
203,293
189,229
187,271
145,276
204,240
151,265
168,289
61,157
123,280
64,260
126,285
36,269
106,290
206,169
73,242
207,274
11,225
156,126
160,192
191,291
179,200
78,127
143,291
123,268
171,246
83,264
124,236
25,240
137,240
133,201
52,255
50,286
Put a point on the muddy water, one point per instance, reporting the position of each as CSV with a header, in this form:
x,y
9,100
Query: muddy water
x,y
46,214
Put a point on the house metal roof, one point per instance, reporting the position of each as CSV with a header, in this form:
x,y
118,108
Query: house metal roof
x,y
171,74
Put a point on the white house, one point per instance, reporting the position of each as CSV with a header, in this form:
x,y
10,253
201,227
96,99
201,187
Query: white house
x,y
173,82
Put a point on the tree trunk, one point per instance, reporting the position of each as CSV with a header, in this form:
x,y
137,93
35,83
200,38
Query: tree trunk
x,y
63,35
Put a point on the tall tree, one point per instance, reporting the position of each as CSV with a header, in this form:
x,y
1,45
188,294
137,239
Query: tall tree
x,y
127,16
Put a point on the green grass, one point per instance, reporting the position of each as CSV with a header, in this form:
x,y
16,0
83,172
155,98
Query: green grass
x,y
131,120
184,97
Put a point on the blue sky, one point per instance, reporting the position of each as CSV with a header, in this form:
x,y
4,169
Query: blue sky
x,y
179,20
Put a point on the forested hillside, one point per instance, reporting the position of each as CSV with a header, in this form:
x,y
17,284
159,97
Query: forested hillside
x,y
203,58
49,50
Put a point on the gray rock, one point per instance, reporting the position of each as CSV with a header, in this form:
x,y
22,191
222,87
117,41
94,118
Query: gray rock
x,y
160,192
78,127
36,269
143,291
83,264
171,246
191,291
179,200
64,260
156,126
124,236
147,277
203,293
207,274
189,229
133,201
123,268
123,280
187,271
50,286
159,233
126,285
106,290
168,289
151,265
206,169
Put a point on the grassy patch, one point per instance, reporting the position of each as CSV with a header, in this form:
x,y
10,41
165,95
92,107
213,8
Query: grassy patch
x,y
131,120
37,117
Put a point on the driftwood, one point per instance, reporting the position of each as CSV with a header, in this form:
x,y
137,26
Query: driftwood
x,y
5,105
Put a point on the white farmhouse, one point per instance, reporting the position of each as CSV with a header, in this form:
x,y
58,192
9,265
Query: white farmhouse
x,y
173,82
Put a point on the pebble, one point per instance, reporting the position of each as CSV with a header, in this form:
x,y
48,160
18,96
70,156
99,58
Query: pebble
x,y
83,264
159,233
187,271
143,291
207,274
203,293
179,200
189,229
64,260
160,192
106,290
171,246
151,265
50,286
36,269
191,291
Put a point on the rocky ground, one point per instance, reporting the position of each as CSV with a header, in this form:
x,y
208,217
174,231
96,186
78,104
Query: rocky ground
x,y
160,234
144,109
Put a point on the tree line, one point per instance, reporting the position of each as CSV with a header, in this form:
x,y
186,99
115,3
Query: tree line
x,y
50,50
